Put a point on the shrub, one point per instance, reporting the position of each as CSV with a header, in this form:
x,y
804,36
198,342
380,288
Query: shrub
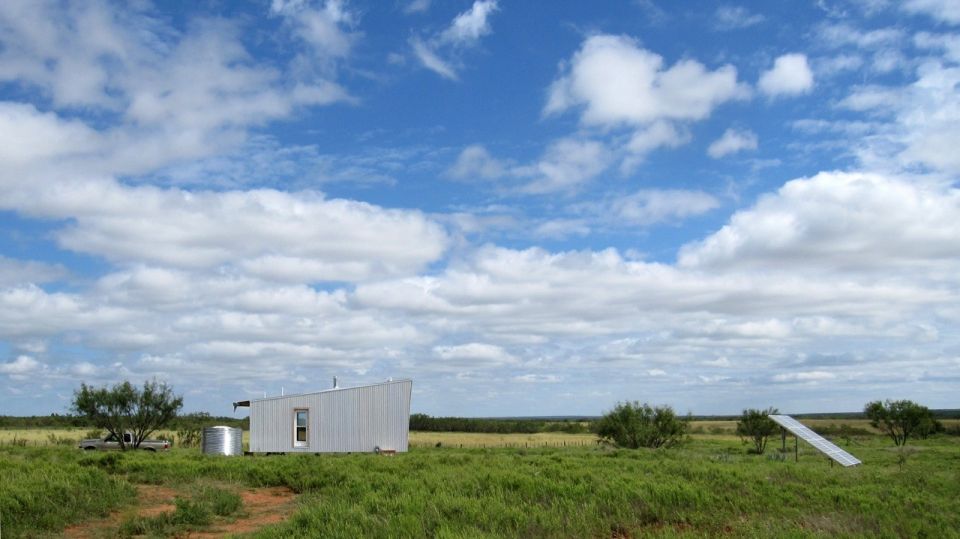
x,y
755,425
634,425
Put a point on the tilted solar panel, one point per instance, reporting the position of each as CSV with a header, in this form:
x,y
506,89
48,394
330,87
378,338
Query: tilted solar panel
x,y
823,445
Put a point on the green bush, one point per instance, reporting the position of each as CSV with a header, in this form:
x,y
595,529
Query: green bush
x,y
901,420
755,425
634,425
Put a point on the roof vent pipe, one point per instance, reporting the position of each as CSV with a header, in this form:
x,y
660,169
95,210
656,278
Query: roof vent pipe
x,y
335,386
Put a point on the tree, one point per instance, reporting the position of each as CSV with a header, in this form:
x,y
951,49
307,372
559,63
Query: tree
x,y
756,425
900,420
125,407
633,425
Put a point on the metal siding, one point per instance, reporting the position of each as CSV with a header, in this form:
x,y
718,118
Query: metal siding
x,y
342,420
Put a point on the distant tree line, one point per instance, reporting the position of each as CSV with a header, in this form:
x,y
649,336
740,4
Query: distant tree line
x,y
63,421
426,423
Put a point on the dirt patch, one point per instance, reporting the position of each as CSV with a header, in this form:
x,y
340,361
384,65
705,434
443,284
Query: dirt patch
x,y
261,507
151,501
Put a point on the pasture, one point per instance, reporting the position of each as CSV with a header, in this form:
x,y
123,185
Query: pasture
x,y
709,486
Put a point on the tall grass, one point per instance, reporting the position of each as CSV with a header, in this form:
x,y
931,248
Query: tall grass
x,y
707,487
46,489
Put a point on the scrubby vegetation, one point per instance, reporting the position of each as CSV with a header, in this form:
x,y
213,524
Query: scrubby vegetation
x,y
756,426
634,425
707,486
704,487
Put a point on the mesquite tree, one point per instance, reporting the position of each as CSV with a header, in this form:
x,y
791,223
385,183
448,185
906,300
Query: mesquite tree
x,y
757,426
634,425
127,408
900,420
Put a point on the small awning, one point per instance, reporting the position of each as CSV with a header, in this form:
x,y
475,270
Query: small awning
x,y
239,404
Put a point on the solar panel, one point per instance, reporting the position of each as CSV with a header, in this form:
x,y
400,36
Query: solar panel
x,y
825,446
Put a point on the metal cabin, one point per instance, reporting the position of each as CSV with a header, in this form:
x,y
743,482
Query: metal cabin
x,y
339,420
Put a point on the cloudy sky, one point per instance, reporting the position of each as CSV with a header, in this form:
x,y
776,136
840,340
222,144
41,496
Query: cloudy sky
x,y
529,208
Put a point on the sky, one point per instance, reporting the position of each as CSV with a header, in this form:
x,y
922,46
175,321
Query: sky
x,y
528,208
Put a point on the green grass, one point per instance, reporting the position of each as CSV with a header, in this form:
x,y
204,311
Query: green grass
x,y
707,487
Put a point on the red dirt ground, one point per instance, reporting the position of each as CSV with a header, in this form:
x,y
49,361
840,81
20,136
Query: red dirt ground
x,y
261,507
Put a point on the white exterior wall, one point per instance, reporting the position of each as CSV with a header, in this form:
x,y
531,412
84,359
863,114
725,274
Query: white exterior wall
x,y
355,419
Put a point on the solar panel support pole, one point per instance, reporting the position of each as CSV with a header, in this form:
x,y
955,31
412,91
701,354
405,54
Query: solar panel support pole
x,y
796,448
783,440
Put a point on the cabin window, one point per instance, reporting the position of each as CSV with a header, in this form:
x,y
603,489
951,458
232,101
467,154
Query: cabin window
x,y
301,420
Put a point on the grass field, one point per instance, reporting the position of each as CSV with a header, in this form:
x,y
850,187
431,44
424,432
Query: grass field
x,y
707,487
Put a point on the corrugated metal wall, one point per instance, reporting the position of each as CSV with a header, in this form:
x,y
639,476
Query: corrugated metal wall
x,y
355,419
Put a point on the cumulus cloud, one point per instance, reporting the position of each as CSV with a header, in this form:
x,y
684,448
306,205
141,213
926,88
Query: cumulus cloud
x,y
566,164
790,75
464,32
176,94
921,121
839,221
732,141
268,231
468,27
616,82
323,27
475,162
20,367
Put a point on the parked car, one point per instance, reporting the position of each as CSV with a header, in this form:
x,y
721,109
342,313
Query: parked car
x,y
111,442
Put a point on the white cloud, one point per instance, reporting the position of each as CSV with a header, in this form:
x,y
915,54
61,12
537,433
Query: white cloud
x,y
473,355
616,82
417,6
537,378
842,34
28,136
790,75
21,366
948,43
464,32
656,135
647,207
565,165
736,17
431,60
17,272
303,233
834,221
475,162
732,141
323,28
808,376
468,27
925,126
947,11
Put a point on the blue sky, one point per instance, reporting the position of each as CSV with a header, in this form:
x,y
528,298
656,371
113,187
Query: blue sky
x,y
528,208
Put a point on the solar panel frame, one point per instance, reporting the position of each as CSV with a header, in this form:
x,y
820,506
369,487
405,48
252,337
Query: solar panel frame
x,y
820,443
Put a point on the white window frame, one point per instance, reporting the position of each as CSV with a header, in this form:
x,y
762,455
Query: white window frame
x,y
306,428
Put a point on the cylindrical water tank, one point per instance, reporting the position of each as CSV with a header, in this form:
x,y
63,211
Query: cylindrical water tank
x,y
222,441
